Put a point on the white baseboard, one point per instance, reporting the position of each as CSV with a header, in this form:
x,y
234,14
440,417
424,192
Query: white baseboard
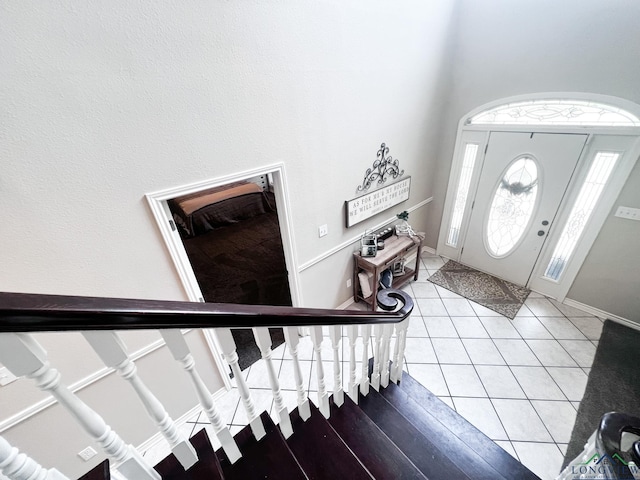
x,y
346,304
601,313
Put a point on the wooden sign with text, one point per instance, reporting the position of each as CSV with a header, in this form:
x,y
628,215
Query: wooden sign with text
x,y
370,204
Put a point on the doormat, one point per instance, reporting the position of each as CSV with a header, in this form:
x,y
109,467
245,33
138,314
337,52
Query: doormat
x,y
501,296
612,385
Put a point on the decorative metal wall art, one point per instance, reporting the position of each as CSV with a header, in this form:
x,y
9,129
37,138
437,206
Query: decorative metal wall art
x,y
383,168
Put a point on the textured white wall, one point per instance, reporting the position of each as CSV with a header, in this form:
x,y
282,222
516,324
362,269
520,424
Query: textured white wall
x,y
102,102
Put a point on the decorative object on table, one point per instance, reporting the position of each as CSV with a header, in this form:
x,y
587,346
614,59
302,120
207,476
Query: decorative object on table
x,y
380,244
383,168
386,278
364,278
385,233
404,228
501,296
394,249
398,267
368,244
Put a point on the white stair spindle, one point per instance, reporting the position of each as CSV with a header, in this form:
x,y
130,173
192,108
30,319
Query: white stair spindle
x,y
387,331
335,333
263,340
180,351
228,347
293,340
18,466
22,355
323,396
398,354
112,351
377,351
352,335
364,381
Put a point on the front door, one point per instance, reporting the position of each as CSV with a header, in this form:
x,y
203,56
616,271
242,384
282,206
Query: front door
x,y
523,180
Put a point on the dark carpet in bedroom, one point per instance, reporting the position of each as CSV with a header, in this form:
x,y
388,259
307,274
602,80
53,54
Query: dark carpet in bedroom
x,y
243,263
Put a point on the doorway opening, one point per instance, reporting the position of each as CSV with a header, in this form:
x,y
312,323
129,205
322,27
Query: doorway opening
x,y
533,180
231,241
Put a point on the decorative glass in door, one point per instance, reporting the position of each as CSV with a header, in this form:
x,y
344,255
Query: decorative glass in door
x,y
512,206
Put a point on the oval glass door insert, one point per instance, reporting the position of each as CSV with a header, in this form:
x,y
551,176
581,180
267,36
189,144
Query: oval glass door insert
x,y
512,206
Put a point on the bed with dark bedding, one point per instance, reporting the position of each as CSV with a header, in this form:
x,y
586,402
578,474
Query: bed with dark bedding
x,y
204,211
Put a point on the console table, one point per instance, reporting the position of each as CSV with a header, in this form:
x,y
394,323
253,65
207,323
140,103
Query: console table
x,y
396,248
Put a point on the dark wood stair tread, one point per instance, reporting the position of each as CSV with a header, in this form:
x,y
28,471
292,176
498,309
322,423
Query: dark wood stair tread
x,y
270,457
436,410
99,472
207,467
426,453
320,450
374,449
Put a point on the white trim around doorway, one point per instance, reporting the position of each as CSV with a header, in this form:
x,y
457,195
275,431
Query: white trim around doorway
x,y
158,204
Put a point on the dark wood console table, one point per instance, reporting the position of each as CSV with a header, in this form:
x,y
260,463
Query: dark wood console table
x,y
395,248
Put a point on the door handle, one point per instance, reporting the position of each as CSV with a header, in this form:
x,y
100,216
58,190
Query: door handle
x,y
545,222
540,233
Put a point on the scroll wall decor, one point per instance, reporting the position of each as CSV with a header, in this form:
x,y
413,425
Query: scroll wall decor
x,y
383,168
372,203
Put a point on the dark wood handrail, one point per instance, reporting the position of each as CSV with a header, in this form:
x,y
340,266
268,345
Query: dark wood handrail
x,y
27,312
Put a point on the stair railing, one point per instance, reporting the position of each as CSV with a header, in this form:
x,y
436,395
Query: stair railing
x,y
96,317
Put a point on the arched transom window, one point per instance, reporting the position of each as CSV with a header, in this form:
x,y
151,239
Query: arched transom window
x,y
556,112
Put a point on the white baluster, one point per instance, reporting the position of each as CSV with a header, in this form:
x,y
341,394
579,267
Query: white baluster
x,y
111,349
377,352
335,333
22,355
352,335
180,351
323,396
228,346
292,339
398,354
387,331
364,381
263,340
17,466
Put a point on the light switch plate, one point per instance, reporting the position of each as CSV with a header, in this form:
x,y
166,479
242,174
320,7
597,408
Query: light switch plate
x,y
628,212
6,377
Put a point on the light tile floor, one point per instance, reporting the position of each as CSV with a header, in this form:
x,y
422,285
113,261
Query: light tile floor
x,y
519,381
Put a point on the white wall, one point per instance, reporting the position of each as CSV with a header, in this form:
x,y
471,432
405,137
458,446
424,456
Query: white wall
x,y
103,102
53,439
106,102
506,48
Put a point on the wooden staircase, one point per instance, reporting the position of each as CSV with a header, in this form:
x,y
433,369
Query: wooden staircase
x,y
401,432
383,425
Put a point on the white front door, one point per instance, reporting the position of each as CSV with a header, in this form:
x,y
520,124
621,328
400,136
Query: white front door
x,y
523,180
